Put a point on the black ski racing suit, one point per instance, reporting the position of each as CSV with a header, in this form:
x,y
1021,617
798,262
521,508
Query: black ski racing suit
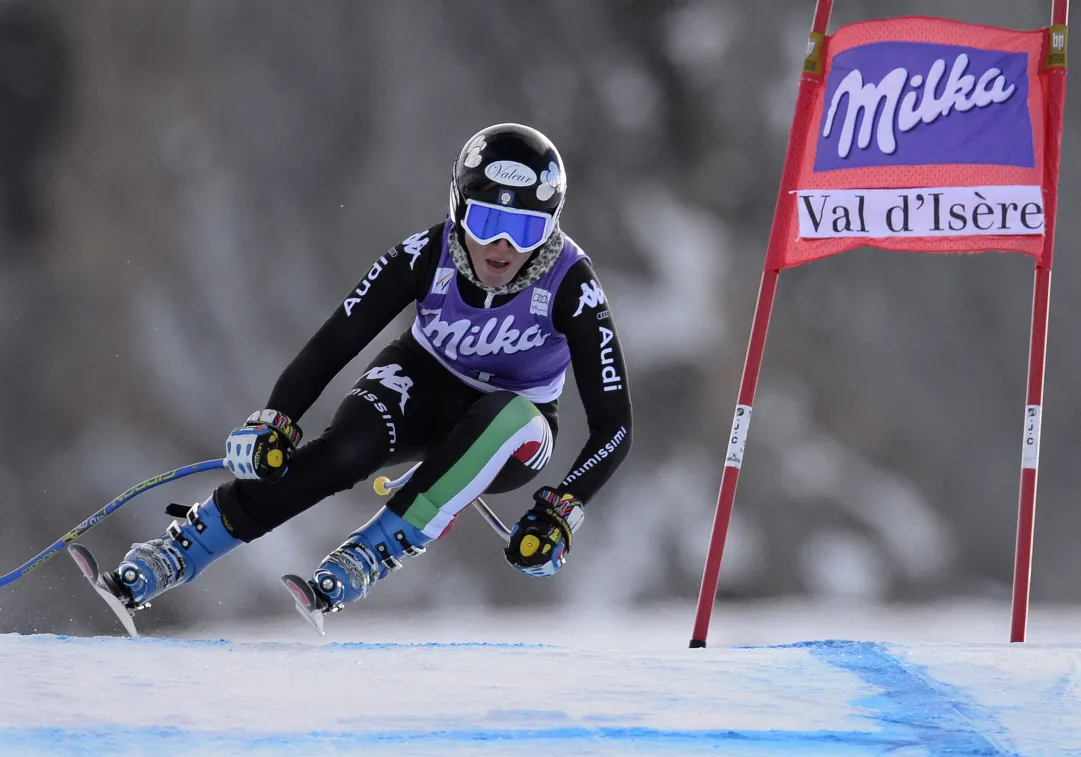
x,y
375,427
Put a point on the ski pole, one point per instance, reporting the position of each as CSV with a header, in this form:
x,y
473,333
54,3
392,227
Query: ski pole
x,y
384,485
104,513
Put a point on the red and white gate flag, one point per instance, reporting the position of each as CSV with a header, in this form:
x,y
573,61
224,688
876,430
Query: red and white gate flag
x,y
926,135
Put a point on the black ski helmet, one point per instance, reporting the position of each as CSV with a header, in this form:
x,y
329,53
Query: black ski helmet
x,y
509,165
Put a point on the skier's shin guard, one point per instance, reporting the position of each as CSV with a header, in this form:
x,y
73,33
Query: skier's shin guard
x,y
181,554
377,548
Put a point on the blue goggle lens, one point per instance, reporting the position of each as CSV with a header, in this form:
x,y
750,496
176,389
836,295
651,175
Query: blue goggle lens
x,y
525,231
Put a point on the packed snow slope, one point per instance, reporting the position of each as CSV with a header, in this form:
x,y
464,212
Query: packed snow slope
x,y
63,695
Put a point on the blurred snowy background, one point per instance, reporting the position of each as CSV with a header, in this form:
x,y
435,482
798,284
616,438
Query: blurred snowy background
x,y
188,189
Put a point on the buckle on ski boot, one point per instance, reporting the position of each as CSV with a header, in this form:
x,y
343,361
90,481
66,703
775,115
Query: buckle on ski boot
x,y
406,546
322,592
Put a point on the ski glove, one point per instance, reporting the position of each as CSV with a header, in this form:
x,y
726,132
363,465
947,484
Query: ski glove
x,y
263,446
541,539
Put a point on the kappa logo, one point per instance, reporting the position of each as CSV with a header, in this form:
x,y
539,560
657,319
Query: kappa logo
x,y
387,375
592,296
441,282
413,246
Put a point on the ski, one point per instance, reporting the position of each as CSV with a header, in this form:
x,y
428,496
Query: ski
x,y
89,567
307,604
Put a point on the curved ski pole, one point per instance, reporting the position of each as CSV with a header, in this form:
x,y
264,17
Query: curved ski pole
x,y
492,519
384,485
104,513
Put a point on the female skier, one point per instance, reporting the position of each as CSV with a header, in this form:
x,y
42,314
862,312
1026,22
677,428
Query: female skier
x,y
505,302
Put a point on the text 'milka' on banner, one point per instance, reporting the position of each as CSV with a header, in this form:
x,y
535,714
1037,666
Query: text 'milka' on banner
x,y
929,138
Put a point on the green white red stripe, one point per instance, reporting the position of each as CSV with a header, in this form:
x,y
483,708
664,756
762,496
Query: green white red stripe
x,y
518,426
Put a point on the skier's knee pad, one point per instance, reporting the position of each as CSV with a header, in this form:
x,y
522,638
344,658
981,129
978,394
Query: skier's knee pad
x,y
351,458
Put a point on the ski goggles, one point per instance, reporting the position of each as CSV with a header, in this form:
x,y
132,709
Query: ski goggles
x,y
525,229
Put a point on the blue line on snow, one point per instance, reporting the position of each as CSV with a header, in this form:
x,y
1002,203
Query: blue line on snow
x,y
912,709
940,716
118,740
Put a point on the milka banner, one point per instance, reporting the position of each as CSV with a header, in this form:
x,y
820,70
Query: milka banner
x,y
928,135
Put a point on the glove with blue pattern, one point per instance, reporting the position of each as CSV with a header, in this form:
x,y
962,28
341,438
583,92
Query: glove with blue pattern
x,y
263,446
541,539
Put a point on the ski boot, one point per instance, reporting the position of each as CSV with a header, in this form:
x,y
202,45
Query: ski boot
x,y
181,554
152,567
348,573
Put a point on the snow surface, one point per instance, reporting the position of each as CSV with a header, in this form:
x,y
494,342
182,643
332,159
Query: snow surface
x,y
501,685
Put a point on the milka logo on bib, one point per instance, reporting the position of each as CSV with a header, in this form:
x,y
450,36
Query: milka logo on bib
x,y
911,103
511,173
464,338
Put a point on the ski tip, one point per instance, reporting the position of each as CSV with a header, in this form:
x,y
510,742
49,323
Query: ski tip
x,y
297,586
304,599
85,560
89,567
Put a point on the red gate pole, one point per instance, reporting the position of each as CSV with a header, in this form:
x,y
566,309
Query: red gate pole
x,y
1037,353
801,128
